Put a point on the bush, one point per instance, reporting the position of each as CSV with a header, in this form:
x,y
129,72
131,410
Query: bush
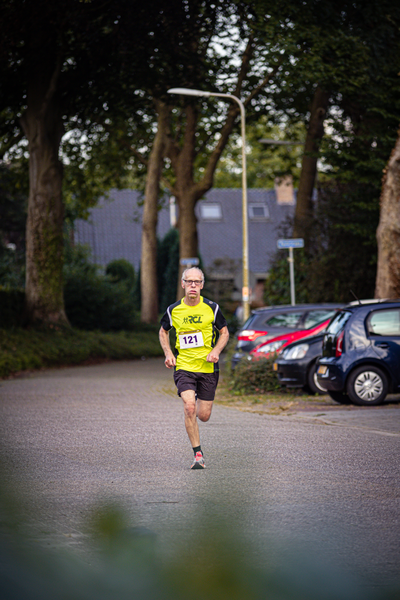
x,y
121,271
22,349
12,268
11,307
94,301
255,377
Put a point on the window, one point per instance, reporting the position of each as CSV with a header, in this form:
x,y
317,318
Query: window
x,y
284,319
315,317
258,211
249,321
338,322
211,211
385,322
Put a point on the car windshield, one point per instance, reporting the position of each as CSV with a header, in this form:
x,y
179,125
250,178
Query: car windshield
x,y
249,322
315,317
289,319
338,322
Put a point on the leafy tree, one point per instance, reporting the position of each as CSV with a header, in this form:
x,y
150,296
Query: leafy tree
x,y
330,58
265,163
340,259
59,61
225,54
344,60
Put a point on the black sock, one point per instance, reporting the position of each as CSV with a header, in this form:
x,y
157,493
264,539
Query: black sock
x,y
197,449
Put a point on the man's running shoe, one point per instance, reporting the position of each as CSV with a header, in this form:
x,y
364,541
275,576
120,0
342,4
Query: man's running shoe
x,y
198,461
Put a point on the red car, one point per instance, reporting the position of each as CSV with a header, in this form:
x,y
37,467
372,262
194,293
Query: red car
x,y
276,345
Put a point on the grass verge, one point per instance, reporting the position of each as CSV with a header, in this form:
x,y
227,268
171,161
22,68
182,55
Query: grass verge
x,y
254,387
282,401
25,349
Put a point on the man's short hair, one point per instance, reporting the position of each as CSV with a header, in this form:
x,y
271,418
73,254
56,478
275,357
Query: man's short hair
x,y
189,269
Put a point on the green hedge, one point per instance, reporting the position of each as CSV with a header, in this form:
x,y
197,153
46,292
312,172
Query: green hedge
x,y
254,377
94,302
22,349
11,307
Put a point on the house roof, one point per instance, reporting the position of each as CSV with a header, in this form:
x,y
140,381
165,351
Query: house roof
x,y
113,229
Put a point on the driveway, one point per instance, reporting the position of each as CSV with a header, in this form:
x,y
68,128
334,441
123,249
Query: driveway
x,y
325,483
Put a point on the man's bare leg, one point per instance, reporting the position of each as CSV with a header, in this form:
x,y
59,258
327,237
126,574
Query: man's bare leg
x,y
204,408
189,407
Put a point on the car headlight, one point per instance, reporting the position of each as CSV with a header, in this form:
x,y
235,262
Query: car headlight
x,y
271,346
296,352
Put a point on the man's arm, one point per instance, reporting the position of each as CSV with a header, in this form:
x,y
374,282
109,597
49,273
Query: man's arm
x,y
170,360
220,345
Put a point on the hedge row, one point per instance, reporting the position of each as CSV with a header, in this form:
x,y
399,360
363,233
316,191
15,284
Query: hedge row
x,y
255,377
22,349
91,302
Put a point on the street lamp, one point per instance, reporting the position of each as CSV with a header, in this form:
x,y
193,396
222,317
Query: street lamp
x,y
245,242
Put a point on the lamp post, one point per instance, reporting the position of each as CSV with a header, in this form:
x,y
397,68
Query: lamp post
x,y
245,239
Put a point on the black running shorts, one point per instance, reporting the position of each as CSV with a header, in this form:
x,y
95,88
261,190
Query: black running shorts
x,y
203,384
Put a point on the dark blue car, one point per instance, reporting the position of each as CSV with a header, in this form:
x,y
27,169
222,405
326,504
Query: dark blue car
x,y
297,365
361,353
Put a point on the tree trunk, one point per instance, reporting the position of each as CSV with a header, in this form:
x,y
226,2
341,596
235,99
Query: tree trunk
x,y
187,225
308,174
148,263
186,191
43,127
388,232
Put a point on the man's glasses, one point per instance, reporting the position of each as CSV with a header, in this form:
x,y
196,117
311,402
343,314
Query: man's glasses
x,y
192,282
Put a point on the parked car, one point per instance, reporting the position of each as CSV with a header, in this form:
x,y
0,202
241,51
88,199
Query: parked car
x,y
296,366
276,345
361,353
264,324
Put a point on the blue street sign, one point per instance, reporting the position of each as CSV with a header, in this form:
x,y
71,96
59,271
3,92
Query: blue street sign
x,y
188,262
294,243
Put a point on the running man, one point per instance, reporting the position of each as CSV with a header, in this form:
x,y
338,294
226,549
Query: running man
x,y
196,321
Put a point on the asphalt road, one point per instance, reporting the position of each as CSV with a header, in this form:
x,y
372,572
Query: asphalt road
x,y
326,485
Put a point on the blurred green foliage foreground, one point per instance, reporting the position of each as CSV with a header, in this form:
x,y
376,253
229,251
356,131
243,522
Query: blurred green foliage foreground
x,y
24,349
211,561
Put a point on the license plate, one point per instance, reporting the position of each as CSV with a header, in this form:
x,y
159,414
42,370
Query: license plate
x,y
275,367
322,370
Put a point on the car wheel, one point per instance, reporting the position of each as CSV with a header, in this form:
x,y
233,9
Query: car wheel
x,y
367,386
313,386
339,397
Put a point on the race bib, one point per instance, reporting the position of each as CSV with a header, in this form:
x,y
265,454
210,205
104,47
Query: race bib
x,y
191,339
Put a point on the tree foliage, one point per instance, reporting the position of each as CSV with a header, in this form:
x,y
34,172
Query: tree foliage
x,y
61,63
100,72
265,162
340,259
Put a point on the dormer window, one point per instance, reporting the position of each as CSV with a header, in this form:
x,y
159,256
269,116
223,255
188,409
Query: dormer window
x,y
258,211
211,211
